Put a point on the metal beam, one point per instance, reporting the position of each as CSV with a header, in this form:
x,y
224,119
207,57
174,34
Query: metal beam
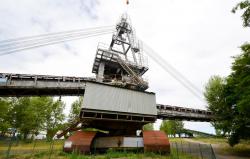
x,y
39,85
45,85
181,113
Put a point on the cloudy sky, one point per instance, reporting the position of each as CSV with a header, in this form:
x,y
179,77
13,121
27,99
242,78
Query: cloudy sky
x,y
197,37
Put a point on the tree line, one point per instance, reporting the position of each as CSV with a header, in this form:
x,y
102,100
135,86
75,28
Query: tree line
x,y
32,115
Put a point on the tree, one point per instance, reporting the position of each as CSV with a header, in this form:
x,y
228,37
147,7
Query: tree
x,y
172,127
238,96
75,110
149,126
54,119
239,83
166,127
40,107
28,114
21,116
245,6
4,122
215,97
229,99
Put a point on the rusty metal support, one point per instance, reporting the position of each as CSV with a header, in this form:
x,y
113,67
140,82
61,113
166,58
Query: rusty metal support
x,y
79,142
156,141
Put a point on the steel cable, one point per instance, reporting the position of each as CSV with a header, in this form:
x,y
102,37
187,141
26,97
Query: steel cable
x,y
172,71
6,42
19,44
51,43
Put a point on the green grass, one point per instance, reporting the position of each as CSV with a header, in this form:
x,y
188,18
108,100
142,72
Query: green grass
x,y
241,149
21,147
39,144
211,140
176,139
42,151
108,155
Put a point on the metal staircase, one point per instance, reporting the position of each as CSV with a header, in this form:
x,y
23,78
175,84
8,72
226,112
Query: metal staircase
x,y
138,80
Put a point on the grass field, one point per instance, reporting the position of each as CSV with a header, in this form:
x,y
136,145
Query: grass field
x,y
241,149
21,148
41,150
176,139
211,140
121,155
38,144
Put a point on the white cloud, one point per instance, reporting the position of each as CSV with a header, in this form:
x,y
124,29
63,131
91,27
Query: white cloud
x,y
198,37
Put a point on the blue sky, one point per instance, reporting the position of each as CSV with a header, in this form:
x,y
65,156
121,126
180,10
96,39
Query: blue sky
x,y
198,37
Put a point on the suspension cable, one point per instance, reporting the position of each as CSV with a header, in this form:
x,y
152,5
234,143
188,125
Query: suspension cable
x,y
31,42
23,43
50,43
172,71
56,33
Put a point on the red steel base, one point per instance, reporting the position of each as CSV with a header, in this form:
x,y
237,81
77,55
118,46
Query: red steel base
x,y
80,142
156,141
